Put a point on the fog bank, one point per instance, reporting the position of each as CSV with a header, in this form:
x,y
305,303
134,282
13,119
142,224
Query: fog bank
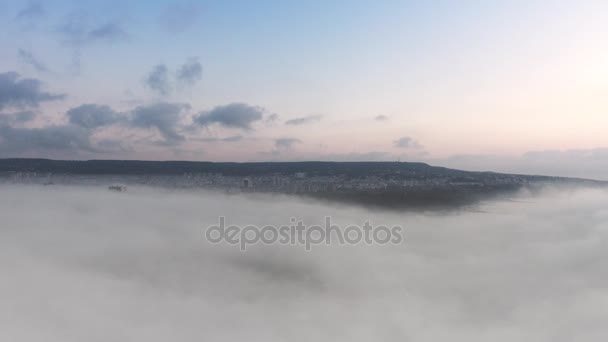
x,y
85,264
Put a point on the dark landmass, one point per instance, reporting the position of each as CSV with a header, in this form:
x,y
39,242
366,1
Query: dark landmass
x,y
136,167
395,185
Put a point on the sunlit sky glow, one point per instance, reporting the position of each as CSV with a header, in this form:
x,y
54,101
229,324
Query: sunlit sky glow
x,y
516,86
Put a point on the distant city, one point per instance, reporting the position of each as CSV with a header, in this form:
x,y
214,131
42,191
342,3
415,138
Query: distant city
x,y
396,184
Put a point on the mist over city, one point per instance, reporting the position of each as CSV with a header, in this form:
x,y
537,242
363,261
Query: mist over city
x,y
82,263
320,170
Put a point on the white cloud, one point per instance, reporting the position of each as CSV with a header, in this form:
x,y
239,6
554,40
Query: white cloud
x,y
82,263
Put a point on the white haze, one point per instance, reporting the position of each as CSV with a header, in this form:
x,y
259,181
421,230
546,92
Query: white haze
x,y
84,264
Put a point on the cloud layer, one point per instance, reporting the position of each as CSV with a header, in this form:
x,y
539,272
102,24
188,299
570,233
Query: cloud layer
x,y
162,81
136,266
92,116
74,133
190,73
80,29
28,58
303,120
68,138
233,115
158,79
406,142
17,92
165,117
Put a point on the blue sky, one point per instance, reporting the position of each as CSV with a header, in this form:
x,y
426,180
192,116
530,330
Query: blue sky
x,y
472,84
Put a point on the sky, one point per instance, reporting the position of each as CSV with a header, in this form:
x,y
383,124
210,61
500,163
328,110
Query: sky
x,y
512,86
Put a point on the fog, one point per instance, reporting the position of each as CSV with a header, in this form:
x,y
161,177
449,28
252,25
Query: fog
x,y
85,264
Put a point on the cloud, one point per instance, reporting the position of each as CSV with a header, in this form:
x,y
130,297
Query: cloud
x,y
46,139
233,115
303,120
28,58
83,123
281,145
190,73
526,270
24,116
177,18
272,118
92,116
22,92
32,10
407,142
165,117
114,145
107,32
286,143
158,79
381,118
17,118
232,138
77,30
